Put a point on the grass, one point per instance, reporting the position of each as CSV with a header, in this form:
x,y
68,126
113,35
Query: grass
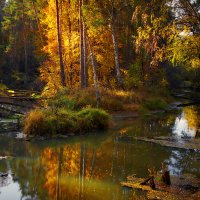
x,y
111,100
48,122
74,111
152,104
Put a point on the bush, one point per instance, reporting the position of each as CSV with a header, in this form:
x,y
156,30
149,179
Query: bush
x,y
34,123
94,118
46,122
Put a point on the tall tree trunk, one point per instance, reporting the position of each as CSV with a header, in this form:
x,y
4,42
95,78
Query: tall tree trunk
x,y
85,51
62,71
82,70
38,22
115,44
95,76
25,44
69,40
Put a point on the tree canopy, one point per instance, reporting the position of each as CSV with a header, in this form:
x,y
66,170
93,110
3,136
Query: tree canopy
x,y
122,43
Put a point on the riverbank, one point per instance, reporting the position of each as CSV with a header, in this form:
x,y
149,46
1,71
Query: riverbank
x,y
74,111
104,159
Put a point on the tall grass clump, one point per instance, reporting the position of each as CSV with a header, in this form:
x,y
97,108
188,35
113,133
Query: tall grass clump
x,y
45,122
34,122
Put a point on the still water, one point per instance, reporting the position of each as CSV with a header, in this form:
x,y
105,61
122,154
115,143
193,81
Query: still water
x,y
92,167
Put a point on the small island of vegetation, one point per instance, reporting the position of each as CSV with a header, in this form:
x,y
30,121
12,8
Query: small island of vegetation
x,y
61,115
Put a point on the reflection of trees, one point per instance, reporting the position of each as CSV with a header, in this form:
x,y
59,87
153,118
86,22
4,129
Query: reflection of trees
x,y
79,171
150,127
183,161
192,114
82,170
29,174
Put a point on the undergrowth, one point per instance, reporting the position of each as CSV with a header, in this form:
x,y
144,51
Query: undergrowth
x,y
61,121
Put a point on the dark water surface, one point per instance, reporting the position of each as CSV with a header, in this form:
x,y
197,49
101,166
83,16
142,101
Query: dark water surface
x,y
92,167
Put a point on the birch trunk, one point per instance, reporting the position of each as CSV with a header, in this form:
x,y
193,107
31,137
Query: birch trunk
x,y
115,44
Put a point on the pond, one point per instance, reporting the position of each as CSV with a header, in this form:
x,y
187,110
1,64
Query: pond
x,y
91,167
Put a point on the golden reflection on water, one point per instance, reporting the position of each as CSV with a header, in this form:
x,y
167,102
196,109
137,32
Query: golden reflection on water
x,y
192,114
76,172
91,167
188,123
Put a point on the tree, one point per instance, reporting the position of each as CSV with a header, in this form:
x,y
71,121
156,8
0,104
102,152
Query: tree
x,y
62,72
20,33
2,42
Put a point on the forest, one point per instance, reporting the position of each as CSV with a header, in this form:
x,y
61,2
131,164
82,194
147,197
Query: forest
x,y
48,45
99,96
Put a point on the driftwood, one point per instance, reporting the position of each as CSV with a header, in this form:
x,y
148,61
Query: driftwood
x,y
151,182
145,181
185,187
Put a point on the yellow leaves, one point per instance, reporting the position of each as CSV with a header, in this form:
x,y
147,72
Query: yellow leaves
x,y
195,63
191,114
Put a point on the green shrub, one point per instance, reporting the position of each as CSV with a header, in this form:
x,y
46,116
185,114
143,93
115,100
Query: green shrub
x,y
94,118
46,122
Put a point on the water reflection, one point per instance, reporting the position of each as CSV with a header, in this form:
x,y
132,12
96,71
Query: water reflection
x,y
181,127
187,124
90,168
